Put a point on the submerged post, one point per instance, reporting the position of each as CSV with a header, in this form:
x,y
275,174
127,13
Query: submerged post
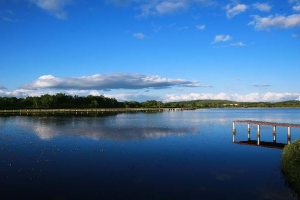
x,y
248,131
289,135
274,134
258,134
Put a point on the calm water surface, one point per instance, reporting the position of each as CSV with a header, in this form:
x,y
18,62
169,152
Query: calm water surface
x,y
168,155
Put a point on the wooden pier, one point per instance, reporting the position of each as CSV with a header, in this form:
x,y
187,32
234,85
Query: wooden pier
x,y
260,123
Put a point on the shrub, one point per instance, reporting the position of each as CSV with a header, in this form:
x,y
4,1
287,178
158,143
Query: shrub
x,y
290,165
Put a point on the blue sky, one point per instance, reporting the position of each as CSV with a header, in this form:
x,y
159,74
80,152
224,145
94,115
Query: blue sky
x,y
168,50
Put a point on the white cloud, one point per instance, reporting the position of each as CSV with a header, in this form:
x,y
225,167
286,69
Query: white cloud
x,y
23,93
262,6
222,38
295,36
137,96
133,96
108,82
251,97
294,1
240,44
278,21
235,10
55,7
170,6
200,27
161,7
296,8
94,93
140,36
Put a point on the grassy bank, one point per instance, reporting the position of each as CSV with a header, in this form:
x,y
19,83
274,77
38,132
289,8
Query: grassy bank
x,y
290,165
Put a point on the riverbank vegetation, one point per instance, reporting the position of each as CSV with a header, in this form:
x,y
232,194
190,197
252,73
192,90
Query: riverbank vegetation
x,y
61,100
290,165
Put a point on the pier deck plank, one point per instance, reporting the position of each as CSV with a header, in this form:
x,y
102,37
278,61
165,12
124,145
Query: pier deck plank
x,y
267,123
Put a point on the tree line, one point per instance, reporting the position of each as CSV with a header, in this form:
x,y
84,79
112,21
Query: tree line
x,y
61,100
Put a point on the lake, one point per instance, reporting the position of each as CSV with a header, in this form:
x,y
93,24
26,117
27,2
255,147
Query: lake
x,y
164,155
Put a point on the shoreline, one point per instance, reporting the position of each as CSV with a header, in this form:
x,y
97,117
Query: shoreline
x,y
70,110
88,110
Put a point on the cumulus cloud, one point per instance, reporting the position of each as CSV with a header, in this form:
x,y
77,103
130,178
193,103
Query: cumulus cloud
x,y
2,87
21,93
55,7
108,81
161,7
140,36
240,44
133,96
262,6
170,6
251,97
232,11
278,21
296,7
137,96
200,27
222,38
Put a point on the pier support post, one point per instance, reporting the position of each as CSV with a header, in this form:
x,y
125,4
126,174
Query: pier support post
x,y
289,135
233,132
274,134
233,127
258,134
248,130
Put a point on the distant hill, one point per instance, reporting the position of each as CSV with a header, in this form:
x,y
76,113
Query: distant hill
x,y
209,103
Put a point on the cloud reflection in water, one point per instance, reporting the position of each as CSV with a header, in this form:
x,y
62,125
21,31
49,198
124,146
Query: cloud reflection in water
x,y
98,128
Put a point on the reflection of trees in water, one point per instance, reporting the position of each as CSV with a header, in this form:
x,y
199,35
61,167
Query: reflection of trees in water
x,y
104,127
